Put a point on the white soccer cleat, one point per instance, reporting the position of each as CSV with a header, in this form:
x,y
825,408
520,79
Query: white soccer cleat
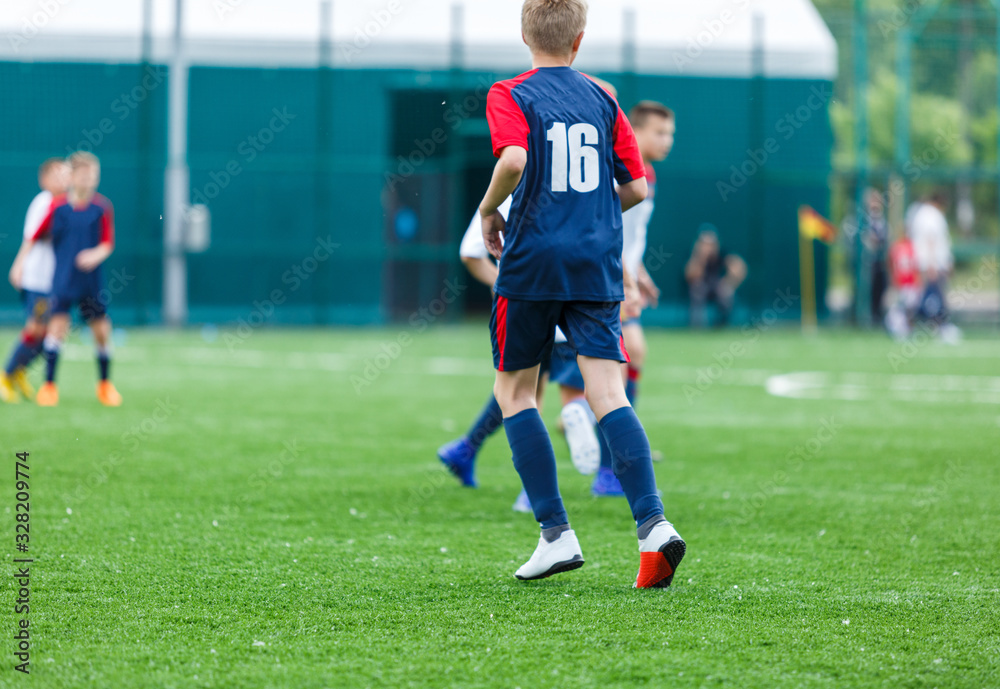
x,y
660,553
561,555
581,436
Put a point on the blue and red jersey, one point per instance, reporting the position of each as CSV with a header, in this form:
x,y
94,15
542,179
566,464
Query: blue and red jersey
x,y
73,229
563,240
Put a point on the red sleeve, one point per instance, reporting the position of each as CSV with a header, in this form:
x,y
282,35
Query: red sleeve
x,y
628,161
508,126
107,222
46,225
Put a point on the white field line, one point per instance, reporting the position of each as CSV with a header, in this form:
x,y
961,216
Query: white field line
x,y
850,386
902,388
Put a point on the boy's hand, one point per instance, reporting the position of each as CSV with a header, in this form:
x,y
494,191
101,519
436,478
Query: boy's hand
x,y
88,259
493,228
648,289
15,275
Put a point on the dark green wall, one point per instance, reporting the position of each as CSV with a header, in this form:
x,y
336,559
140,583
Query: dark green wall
x,y
324,174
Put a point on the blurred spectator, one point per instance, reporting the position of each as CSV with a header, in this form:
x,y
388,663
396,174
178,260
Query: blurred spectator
x,y
876,240
713,275
932,252
906,283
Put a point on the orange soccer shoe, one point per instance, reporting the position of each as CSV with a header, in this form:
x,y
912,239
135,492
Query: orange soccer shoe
x,y
659,555
107,394
48,395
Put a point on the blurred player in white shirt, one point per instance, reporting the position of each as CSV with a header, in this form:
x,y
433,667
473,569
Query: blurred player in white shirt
x,y
654,125
36,283
578,420
935,262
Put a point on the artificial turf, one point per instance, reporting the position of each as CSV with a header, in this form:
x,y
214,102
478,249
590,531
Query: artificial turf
x,y
270,513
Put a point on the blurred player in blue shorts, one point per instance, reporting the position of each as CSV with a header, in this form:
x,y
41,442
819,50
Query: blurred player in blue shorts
x,y
35,283
562,141
81,228
578,421
654,125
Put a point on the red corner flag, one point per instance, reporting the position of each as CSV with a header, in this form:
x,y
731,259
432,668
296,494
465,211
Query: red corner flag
x,y
812,225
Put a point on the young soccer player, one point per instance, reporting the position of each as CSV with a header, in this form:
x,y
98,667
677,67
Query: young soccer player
x,y
82,230
562,141
35,284
459,455
654,125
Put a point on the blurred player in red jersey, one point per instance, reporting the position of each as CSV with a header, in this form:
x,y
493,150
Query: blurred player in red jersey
x,y
906,282
81,227
36,283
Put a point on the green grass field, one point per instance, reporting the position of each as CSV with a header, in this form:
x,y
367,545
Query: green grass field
x,y
249,519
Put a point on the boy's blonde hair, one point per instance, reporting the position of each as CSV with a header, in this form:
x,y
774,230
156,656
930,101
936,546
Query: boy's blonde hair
x,y
84,158
551,26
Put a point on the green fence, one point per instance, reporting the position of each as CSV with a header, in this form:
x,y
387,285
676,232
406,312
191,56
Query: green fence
x,y
388,166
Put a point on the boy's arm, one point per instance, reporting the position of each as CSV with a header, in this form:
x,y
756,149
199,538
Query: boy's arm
x,y
506,177
17,268
633,305
88,259
633,193
647,287
483,269
630,171
509,133
30,237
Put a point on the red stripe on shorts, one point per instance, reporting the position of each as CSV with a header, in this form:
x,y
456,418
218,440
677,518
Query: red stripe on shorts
x,y
621,343
501,327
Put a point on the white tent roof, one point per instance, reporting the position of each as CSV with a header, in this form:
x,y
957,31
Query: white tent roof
x,y
690,37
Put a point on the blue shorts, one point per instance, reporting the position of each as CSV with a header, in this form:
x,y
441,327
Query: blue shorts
x,y
524,332
37,306
91,308
565,369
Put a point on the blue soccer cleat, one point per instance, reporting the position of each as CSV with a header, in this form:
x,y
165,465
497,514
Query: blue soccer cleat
x,y
460,458
606,485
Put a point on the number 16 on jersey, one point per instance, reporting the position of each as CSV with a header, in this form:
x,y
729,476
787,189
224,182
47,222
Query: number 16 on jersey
x,y
575,160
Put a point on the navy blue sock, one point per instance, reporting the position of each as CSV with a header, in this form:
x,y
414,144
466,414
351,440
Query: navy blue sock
x,y
632,462
103,364
33,353
22,355
535,461
606,461
490,419
51,361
